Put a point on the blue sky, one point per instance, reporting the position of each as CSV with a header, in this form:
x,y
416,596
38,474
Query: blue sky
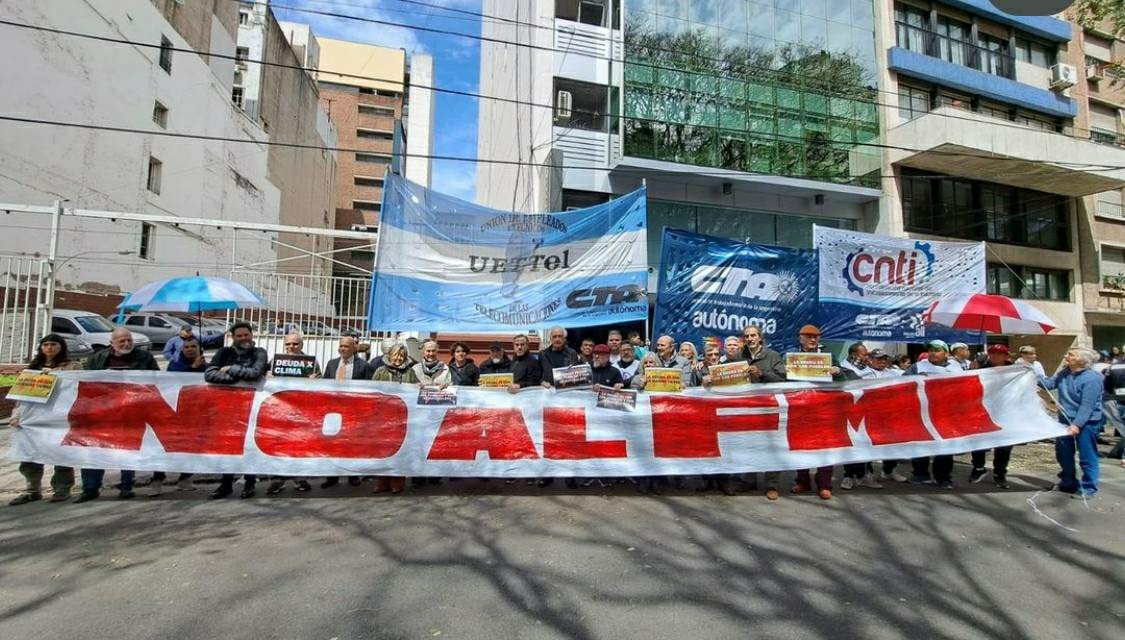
x,y
456,66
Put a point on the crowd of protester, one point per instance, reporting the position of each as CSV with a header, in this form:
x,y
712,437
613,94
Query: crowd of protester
x,y
1089,384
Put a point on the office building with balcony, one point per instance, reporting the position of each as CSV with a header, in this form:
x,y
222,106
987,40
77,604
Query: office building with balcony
x,y
987,143
745,119
1100,94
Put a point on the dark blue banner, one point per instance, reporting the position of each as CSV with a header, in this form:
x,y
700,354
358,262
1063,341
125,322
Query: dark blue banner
x,y
714,287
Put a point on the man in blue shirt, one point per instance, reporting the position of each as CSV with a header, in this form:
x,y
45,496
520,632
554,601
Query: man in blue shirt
x,y
1080,407
175,345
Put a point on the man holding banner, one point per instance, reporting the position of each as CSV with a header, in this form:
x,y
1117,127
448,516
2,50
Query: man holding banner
x,y
809,338
765,363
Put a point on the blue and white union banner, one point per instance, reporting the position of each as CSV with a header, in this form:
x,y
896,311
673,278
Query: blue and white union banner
x,y
444,264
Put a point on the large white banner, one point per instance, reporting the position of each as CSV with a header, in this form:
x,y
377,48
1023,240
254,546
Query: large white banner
x,y
176,422
446,264
876,287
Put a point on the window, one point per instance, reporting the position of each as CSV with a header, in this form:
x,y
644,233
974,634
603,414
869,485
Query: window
x,y
159,323
957,101
366,91
580,105
1112,267
1036,121
913,102
366,205
1036,53
995,58
135,321
372,158
154,168
954,41
972,210
374,110
148,239
371,134
363,255
1029,283
236,96
160,115
243,17
1110,205
241,55
591,12
165,54
362,181
912,27
1101,136
998,111
65,326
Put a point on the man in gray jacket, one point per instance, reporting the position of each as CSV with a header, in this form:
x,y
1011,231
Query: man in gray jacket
x,y
766,364
669,359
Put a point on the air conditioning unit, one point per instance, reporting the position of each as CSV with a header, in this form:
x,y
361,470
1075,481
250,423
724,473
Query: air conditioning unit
x,y
563,105
1063,76
1095,71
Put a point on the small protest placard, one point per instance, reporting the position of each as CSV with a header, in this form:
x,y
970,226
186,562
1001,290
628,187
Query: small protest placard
x,y
661,379
730,373
33,386
579,376
496,380
616,399
287,365
430,395
808,367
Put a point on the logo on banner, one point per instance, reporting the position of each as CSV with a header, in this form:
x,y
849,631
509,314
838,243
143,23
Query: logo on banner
x,y
737,282
870,272
604,296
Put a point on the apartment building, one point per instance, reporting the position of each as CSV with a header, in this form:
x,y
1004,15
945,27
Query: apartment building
x,y
987,143
365,90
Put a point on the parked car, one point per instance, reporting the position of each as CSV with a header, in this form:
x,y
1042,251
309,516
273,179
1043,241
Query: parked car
x,y
318,328
159,328
210,334
77,348
91,328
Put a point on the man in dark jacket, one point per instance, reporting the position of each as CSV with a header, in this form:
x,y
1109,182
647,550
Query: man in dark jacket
x,y
556,356
120,355
766,364
497,361
240,362
348,366
998,356
606,374
1115,399
525,370
190,358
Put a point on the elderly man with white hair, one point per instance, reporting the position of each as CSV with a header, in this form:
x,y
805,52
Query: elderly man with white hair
x,y
1080,408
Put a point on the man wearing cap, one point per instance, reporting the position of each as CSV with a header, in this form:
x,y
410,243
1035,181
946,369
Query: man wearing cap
x,y
998,356
809,338
497,361
936,363
961,355
880,363
606,374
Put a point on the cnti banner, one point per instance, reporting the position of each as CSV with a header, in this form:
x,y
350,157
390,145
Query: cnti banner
x,y
445,264
713,288
176,422
876,288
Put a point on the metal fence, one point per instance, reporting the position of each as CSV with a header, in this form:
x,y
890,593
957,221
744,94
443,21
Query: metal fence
x,y
23,315
320,308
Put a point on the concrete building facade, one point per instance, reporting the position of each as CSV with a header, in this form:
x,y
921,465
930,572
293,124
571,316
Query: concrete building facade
x,y
285,102
68,79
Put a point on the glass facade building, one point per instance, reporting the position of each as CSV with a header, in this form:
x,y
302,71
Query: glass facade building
x,y
778,87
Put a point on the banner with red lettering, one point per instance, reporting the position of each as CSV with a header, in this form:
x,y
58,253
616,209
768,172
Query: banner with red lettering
x,y
293,426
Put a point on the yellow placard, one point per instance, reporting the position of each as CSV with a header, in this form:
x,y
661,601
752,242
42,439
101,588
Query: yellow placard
x,y
33,386
659,379
809,367
496,380
730,373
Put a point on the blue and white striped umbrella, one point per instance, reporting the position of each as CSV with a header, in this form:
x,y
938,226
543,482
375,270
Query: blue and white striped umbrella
x,y
194,294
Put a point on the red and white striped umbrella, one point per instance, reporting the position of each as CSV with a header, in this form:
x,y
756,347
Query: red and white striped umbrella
x,y
995,314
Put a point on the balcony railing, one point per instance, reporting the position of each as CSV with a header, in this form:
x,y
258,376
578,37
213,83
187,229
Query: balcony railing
x,y
959,52
1113,283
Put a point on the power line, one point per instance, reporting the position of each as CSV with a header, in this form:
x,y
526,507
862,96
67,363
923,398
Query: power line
x,y
802,80
718,173
611,117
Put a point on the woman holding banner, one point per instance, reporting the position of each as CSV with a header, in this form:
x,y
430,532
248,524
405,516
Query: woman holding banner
x,y
396,368
51,356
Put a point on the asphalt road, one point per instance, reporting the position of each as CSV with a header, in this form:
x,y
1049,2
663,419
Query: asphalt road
x,y
475,560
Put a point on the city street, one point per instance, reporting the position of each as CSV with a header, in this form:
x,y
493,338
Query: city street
x,y
490,560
